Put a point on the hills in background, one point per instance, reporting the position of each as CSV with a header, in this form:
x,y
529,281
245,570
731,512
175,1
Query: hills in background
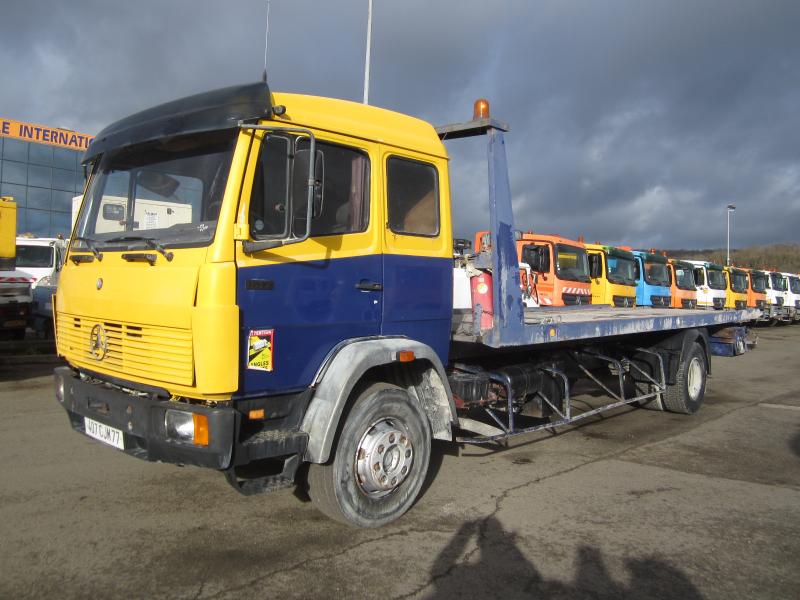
x,y
780,257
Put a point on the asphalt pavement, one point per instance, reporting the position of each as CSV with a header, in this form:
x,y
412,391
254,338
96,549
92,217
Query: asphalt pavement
x,y
635,504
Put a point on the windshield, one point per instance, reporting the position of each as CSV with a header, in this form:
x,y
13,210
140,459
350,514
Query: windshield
x,y
572,263
684,276
716,279
778,282
794,284
738,281
621,269
656,273
169,191
758,281
34,257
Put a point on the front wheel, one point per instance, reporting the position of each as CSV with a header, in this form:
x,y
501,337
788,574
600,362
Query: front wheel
x,y
686,395
380,461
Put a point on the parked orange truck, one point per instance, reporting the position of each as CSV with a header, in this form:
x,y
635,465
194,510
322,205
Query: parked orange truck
x,y
682,286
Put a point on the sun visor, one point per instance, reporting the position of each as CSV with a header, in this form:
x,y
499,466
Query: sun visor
x,y
209,111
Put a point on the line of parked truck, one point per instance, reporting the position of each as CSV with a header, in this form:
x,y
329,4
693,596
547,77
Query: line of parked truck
x,y
557,271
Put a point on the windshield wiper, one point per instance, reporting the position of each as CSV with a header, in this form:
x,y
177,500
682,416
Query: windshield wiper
x,y
90,243
151,242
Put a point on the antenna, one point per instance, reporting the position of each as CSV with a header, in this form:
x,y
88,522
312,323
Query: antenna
x,y
366,60
266,44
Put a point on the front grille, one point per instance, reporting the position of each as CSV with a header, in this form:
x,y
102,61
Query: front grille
x,y
719,303
574,299
624,301
659,300
147,351
688,303
741,304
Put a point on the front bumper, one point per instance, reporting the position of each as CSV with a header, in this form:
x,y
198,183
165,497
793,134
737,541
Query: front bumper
x,y
141,420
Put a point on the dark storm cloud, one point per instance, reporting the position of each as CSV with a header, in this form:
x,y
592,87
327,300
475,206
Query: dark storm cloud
x,y
632,122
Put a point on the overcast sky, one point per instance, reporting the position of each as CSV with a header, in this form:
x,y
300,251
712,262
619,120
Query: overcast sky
x,y
632,122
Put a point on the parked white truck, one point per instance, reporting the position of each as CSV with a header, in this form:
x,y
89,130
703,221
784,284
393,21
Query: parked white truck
x,y
792,295
711,284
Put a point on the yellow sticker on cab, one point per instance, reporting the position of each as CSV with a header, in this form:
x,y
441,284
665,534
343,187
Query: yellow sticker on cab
x,y
260,349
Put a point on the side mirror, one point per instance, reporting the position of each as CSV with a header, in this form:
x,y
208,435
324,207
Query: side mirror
x,y
300,179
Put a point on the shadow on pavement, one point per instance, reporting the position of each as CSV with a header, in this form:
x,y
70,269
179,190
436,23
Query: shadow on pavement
x,y
22,372
501,570
795,444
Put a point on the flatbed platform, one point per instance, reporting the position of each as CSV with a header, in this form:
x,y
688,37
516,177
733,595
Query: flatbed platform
x,y
550,325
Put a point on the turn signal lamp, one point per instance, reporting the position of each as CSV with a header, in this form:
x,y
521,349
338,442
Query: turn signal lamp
x,y
405,356
200,429
480,109
256,414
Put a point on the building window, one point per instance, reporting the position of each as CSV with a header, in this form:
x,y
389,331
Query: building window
x,y
40,176
39,154
15,172
63,158
15,150
413,197
39,198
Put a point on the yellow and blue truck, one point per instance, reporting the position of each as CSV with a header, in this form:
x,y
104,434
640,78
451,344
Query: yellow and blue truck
x,y
295,307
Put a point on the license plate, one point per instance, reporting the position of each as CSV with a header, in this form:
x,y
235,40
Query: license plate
x,y
104,433
16,323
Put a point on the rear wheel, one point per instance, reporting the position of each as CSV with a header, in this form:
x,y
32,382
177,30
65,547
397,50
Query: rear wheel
x,y
380,461
686,395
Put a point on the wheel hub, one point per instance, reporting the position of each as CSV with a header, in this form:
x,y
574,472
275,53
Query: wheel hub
x,y
383,457
695,378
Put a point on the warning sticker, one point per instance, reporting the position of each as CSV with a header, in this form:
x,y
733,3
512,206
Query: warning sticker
x,y
260,346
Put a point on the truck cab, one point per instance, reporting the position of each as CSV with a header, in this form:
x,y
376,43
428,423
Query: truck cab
x,y
711,284
737,285
561,267
612,271
682,288
777,288
652,280
793,294
16,297
756,292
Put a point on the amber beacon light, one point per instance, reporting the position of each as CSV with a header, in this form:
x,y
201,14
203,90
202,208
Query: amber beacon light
x,y
481,109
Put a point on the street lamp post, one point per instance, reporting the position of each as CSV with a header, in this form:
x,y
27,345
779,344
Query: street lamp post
x,y
730,208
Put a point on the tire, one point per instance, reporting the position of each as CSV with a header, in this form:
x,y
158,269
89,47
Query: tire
x,y
385,428
686,395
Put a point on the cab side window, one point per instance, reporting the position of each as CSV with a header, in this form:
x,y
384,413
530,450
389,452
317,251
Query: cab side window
x,y
413,197
342,174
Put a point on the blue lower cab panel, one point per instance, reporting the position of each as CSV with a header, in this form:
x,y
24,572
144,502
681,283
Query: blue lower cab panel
x,y
418,300
293,314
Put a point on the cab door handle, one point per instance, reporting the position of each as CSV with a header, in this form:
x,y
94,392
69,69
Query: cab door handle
x,y
369,286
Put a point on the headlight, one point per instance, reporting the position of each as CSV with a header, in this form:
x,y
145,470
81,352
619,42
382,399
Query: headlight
x,y
184,426
47,280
